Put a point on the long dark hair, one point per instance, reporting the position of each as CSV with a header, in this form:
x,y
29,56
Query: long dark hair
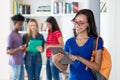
x,y
54,23
91,30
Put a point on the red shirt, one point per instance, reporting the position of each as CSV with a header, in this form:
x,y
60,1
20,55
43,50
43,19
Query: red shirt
x,y
52,39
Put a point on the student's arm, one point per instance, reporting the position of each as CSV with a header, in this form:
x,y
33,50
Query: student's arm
x,y
40,48
93,65
58,34
60,40
56,58
61,43
13,51
98,58
10,50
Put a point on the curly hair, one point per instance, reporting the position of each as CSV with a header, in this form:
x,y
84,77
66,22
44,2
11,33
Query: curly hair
x,y
17,17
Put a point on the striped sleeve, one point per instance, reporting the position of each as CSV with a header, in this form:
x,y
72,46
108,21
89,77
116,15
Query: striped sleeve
x,y
58,34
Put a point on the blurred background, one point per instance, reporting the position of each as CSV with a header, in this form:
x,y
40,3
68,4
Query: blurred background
x,y
107,15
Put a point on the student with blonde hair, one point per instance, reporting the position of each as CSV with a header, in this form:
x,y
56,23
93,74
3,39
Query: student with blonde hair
x,y
33,59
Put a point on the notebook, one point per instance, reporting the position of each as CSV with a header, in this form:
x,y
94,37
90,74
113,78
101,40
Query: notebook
x,y
65,59
33,44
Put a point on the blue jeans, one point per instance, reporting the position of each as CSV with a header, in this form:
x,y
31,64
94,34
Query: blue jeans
x,y
34,69
51,70
17,72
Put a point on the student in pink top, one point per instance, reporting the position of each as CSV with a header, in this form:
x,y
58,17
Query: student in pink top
x,y
54,38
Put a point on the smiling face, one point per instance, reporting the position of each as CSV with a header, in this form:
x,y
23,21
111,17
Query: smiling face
x,y
81,23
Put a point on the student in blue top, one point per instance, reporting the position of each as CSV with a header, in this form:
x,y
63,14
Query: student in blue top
x,y
80,48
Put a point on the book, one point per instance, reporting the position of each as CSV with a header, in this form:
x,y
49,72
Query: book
x,y
64,7
75,7
43,9
17,7
56,8
26,9
33,44
14,7
65,59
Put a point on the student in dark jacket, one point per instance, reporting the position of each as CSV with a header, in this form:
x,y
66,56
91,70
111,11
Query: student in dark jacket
x,y
33,59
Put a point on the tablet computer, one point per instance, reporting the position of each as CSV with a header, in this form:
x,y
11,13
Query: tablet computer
x,y
65,59
33,44
56,50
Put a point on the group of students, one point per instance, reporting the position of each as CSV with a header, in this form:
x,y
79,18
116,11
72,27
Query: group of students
x,y
79,48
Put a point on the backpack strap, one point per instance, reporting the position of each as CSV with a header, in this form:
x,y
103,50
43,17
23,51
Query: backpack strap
x,y
95,46
96,43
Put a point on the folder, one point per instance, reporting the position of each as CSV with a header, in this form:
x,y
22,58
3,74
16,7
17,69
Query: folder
x,y
33,44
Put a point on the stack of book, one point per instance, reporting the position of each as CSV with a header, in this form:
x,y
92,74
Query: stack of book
x,y
19,7
43,9
65,7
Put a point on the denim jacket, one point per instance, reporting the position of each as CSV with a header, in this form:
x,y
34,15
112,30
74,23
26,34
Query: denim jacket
x,y
28,55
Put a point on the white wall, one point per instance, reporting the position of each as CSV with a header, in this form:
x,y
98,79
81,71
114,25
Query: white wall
x,y
114,31
94,5
4,29
112,37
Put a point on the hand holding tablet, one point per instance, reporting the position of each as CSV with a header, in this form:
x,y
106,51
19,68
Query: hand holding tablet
x,y
65,59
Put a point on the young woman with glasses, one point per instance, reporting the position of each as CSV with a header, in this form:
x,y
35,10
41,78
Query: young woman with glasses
x,y
80,48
